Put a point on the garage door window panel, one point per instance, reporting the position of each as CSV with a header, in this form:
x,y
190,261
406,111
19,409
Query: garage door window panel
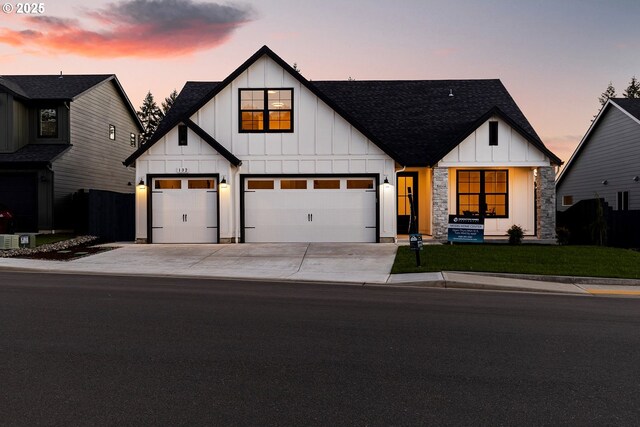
x,y
202,184
359,184
293,184
168,184
256,184
326,184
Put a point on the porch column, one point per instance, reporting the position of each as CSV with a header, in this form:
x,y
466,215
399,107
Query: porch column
x,y
546,202
440,202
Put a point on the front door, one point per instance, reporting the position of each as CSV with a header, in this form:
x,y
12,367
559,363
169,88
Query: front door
x,y
407,183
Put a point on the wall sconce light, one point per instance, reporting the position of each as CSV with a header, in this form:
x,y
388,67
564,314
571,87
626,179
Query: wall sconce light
x,y
223,182
636,178
129,184
386,181
141,185
605,182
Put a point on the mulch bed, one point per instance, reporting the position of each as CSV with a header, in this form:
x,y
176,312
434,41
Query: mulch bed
x,y
65,250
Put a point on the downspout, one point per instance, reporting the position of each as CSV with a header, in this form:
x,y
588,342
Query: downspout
x,y
236,183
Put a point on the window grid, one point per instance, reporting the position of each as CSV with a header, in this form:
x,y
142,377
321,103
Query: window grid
x,y
483,192
266,110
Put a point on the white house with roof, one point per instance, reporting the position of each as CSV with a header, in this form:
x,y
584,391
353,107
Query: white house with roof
x,y
268,156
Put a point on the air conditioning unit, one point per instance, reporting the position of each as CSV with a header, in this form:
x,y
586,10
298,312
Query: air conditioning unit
x,y
9,241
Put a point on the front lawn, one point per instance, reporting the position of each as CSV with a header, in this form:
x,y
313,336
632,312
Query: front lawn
x,y
593,261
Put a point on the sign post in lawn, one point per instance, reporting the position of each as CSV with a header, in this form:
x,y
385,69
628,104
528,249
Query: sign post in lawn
x,y
466,229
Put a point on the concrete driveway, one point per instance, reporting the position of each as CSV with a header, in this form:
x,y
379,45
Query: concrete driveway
x,y
335,262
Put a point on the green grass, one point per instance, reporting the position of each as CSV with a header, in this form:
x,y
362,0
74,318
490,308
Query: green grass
x,y
43,239
591,261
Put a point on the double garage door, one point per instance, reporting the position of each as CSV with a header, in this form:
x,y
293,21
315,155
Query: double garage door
x,y
274,209
310,209
185,210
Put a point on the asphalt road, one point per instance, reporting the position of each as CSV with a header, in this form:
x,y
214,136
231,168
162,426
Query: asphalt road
x,y
91,350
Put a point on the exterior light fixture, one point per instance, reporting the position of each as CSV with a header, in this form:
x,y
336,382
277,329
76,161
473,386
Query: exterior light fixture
x,y
605,182
223,182
636,178
141,185
386,181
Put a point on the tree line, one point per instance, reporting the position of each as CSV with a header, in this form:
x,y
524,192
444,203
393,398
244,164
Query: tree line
x,y
632,91
151,115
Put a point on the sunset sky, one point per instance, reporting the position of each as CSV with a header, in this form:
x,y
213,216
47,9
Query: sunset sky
x,y
554,56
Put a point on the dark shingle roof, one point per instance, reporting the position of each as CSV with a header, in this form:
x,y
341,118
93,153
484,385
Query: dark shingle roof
x,y
191,94
630,105
418,119
415,122
52,87
34,153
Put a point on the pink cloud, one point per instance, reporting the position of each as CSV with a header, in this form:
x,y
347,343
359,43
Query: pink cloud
x,y
139,28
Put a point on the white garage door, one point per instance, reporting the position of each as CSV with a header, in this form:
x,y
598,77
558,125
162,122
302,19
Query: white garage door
x,y
185,210
341,209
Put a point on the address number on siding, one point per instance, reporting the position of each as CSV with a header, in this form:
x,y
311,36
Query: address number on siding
x,y
182,170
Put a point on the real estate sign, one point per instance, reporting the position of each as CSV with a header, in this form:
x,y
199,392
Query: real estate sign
x,y
465,229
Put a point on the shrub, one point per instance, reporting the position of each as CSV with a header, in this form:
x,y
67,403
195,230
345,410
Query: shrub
x,y
562,235
516,233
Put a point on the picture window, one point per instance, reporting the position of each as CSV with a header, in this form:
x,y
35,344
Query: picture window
x,y
483,192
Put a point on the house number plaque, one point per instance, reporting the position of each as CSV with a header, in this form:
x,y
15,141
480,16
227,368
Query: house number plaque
x,y
182,170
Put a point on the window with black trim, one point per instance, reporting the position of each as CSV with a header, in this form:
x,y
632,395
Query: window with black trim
x,y
266,110
483,192
182,135
48,123
112,132
623,200
493,133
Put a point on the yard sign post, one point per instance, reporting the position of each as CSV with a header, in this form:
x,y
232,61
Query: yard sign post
x,y
415,239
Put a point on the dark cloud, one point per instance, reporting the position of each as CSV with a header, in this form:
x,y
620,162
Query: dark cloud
x,y
144,28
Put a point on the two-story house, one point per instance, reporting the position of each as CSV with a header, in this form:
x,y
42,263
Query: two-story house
x,y
60,134
266,155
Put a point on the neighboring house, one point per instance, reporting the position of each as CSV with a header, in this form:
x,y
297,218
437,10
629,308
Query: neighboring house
x,y
268,156
606,163
58,135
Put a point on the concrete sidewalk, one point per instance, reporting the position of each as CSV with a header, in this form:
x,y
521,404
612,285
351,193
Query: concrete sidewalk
x,y
363,264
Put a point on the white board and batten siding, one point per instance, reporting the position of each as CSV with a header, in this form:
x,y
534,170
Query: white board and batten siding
x,y
513,153
322,143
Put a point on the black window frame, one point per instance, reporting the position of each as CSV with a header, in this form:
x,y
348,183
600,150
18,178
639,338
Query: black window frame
x,y
493,133
183,135
112,127
57,121
483,194
265,111
623,200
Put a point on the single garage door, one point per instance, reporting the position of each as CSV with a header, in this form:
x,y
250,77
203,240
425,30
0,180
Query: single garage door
x,y
306,209
184,210
19,192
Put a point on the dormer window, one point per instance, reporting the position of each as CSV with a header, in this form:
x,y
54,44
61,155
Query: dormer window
x,y
266,110
48,123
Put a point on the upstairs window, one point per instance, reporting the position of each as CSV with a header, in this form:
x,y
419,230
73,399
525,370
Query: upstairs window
x,y
266,110
112,132
48,123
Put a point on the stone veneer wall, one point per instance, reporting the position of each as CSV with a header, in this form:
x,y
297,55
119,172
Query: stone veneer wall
x,y
546,202
440,196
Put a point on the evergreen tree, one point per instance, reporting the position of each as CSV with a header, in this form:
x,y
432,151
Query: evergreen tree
x,y
150,116
633,90
610,92
295,67
168,102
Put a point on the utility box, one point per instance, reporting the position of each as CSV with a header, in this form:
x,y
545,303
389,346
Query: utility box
x,y
9,241
27,241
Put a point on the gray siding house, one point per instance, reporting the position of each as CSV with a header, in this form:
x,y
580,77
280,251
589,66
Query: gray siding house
x,y
58,135
606,163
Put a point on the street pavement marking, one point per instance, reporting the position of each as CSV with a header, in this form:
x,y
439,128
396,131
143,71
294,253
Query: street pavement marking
x,y
611,292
